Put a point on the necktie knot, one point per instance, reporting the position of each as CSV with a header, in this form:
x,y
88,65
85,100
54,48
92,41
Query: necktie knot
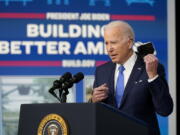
x,y
121,69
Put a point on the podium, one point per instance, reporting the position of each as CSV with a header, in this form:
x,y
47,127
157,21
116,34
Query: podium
x,y
81,119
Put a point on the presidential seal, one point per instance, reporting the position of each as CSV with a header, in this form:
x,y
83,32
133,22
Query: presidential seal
x,y
53,124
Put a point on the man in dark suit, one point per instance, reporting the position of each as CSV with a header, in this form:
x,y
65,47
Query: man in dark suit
x,y
140,89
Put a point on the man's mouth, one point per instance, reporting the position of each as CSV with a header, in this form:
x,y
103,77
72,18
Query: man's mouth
x,y
113,55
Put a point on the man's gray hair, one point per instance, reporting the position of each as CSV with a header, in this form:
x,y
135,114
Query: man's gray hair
x,y
127,28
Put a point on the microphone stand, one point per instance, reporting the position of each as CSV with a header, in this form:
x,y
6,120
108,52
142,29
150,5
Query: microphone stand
x,y
56,97
64,94
60,93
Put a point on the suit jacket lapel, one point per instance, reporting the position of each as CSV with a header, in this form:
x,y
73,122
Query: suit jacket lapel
x,y
111,84
136,72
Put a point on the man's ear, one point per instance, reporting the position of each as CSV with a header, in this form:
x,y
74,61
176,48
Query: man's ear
x,y
130,43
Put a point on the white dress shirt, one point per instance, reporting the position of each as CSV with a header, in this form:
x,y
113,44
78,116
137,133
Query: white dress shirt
x,y
128,65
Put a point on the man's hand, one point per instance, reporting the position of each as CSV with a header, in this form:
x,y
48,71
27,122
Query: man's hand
x,y
151,62
100,93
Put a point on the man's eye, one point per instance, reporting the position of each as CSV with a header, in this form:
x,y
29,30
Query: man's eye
x,y
113,42
106,43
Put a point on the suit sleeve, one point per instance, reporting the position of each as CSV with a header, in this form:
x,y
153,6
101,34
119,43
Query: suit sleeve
x,y
160,94
95,79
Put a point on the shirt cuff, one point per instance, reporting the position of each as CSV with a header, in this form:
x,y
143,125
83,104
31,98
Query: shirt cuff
x,y
152,79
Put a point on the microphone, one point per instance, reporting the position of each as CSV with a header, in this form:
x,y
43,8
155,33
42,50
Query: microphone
x,y
75,79
58,83
65,77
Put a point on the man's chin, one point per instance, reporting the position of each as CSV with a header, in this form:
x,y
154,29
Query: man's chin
x,y
114,61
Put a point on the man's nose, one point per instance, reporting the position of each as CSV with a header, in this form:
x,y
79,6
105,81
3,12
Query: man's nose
x,y
110,48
